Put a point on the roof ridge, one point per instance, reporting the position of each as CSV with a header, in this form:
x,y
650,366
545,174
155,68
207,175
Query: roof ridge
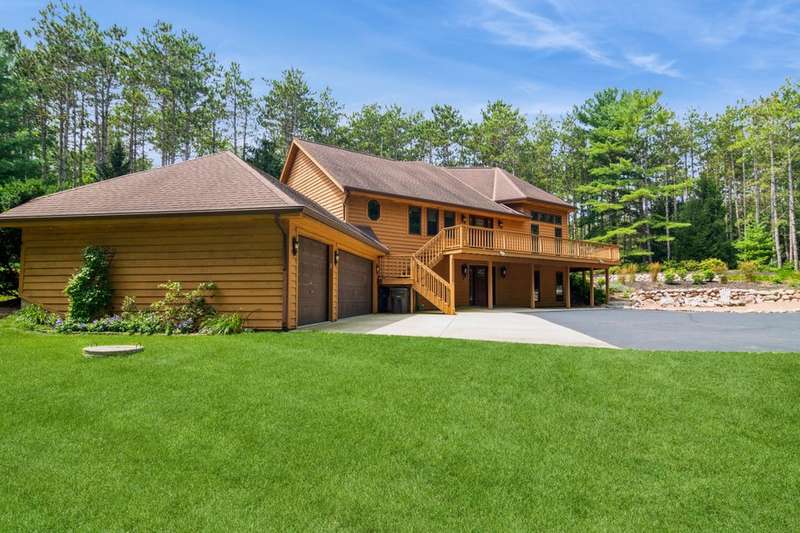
x,y
359,152
507,176
477,191
98,182
266,183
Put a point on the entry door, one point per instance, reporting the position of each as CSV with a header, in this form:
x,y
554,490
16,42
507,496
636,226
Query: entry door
x,y
313,289
478,286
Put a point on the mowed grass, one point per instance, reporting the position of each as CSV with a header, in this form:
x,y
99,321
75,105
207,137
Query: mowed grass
x,y
322,431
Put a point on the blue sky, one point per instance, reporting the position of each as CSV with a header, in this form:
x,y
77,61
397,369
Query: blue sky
x,y
542,56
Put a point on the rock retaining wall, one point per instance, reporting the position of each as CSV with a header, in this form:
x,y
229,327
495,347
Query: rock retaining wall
x,y
712,297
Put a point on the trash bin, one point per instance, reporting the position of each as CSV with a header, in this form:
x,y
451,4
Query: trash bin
x,y
398,300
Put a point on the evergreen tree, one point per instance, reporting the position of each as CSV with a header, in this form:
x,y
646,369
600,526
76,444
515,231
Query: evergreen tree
x,y
706,237
118,163
17,142
265,156
755,245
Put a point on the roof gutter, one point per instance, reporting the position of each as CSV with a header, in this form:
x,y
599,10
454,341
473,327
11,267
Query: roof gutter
x,y
13,221
285,253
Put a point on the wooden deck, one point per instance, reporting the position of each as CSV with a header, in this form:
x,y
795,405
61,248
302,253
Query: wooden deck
x,y
474,241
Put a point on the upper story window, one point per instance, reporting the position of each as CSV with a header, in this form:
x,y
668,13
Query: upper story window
x,y
546,217
374,209
432,221
481,222
415,220
449,219
558,233
535,229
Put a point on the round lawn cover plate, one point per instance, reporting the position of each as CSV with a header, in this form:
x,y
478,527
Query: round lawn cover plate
x,y
113,349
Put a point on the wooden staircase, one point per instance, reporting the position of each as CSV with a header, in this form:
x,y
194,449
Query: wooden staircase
x,y
430,285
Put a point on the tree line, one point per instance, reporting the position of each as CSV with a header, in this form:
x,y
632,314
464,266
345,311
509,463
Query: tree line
x,y
84,103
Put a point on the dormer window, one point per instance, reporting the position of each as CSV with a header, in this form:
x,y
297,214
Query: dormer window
x,y
374,209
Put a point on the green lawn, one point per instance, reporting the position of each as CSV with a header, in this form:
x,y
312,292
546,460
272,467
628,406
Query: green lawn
x,y
322,431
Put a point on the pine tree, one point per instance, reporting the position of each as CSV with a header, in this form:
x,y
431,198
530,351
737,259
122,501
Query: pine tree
x,y
706,235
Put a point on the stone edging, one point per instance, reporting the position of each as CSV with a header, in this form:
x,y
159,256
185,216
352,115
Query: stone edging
x,y
710,297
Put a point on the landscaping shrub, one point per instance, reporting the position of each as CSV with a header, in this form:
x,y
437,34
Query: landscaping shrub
x,y
708,275
89,289
34,316
655,270
225,324
669,277
580,290
184,312
697,278
691,265
717,266
682,273
749,270
627,273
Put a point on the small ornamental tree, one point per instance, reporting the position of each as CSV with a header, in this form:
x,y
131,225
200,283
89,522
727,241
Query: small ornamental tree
x,y
756,245
89,289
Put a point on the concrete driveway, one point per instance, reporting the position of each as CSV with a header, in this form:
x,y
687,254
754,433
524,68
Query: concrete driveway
x,y
508,325
601,328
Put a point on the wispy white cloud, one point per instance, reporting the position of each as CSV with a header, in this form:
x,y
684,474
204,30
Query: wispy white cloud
x,y
654,64
521,27
534,29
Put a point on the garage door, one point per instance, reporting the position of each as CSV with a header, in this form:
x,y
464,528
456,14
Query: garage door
x,y
313,282
355,285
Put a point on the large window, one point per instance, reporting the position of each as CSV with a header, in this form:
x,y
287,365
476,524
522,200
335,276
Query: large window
x,y
432,221
374,209
537,282
546,217
558,233
415,220
449,219
535,229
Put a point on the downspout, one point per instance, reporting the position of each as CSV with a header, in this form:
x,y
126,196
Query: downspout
x,y
285,253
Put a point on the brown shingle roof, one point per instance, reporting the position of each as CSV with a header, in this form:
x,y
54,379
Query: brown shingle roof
x,y
502,186
407,179
218,183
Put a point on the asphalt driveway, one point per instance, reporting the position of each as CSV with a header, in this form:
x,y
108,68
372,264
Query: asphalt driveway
x,y
676,330
601,328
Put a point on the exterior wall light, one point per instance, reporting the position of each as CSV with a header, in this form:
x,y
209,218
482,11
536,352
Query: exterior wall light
x,y
503,272
463,219
336,257
500,224
295,245
464,271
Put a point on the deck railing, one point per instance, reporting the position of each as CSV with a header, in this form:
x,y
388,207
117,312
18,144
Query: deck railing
x,y
465,237
518,242
396,266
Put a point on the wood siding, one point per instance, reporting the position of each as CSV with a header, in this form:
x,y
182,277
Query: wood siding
x,y
545,229
242,256
392,226
307,178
